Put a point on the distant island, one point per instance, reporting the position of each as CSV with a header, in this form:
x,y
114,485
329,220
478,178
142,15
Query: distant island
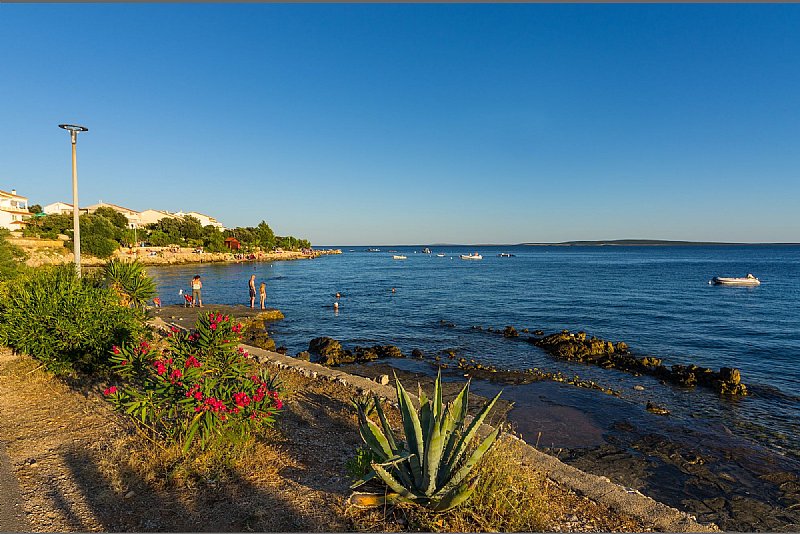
x,y
640,243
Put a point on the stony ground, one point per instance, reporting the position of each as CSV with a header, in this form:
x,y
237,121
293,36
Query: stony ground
x,y
81,467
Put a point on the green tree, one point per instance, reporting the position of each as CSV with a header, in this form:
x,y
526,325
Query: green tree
x,y
191,228
265,236
117,219
159,238
36,208
99,236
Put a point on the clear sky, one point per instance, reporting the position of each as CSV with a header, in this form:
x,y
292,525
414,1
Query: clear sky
x,y
392,124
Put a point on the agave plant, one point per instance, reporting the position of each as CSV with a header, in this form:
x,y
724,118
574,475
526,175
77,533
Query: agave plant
x,y
433,466
130,282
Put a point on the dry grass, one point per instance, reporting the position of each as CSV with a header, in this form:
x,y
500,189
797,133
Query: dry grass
x,y
508,498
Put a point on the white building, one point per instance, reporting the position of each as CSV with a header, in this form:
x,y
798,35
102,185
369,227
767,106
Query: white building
x,y
61,208
13,210
134,220
205,220
153,216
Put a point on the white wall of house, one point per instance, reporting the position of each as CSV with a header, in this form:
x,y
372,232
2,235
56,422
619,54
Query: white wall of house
x,y
153,216
58,208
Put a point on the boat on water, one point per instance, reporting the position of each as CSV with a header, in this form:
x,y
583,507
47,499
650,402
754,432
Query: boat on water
x,y
373,250
399,257
440,255
748,280
473,256
426,250
505,255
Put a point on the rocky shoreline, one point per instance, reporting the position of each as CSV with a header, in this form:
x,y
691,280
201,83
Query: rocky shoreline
x,y
51,252
735,486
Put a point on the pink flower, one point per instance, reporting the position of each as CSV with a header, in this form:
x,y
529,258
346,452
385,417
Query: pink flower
x,y
110,391
175,374
191,361
115,349
160,368
213,326
241,399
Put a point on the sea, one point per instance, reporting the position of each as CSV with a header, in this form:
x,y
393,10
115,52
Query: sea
x,y
657,299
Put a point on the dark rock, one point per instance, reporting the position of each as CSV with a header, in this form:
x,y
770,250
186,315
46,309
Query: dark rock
x,y
282,350
328,350
656,409
418,354
510,331
305,356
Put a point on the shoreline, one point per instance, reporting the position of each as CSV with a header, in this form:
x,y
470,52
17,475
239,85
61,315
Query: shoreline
x,y
736,485
49,252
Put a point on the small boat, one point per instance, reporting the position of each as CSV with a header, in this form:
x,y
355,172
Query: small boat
x,y
473,256
505,255
399,257
440,255
748,280
373,250
426,250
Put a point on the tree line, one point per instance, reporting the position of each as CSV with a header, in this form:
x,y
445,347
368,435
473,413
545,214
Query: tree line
x,y
105,230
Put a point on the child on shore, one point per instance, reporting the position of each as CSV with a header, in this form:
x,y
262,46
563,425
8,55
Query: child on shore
x,y
262,293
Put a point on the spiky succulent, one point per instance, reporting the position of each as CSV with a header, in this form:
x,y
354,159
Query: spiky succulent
x,y
433,466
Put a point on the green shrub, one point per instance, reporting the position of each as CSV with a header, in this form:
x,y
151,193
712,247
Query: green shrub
x,y
200,390
11,257
98,246
66,322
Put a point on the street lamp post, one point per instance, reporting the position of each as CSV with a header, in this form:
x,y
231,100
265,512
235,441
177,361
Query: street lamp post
x,y
76,224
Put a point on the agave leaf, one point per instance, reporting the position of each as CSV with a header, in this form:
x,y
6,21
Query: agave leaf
x,y
387,430
392,482
363,480
474,458
425,418
456,496
433,454
373,436
413,430
373,500
457,414
472,429
421,395
437,395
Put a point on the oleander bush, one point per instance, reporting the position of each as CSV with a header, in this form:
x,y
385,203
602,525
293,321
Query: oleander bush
x,y
201,390
66,322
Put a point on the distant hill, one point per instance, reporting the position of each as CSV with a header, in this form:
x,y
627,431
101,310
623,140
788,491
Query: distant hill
x,y
639,243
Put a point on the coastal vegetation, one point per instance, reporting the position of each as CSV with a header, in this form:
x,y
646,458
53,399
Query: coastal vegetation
x,y
433,467
105,230
198,390
68,323
11,257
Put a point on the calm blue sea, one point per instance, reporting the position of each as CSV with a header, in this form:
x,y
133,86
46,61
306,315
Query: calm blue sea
x,y
656,298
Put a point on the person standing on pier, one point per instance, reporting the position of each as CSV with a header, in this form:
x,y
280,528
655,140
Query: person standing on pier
x,y
262,292
197,286
252,285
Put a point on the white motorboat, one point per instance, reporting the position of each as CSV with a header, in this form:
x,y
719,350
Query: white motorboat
x,y
440,255
505,255
399,257
426,250
748,280
473,256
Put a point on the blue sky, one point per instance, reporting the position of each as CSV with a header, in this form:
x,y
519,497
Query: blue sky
x,y
361,124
